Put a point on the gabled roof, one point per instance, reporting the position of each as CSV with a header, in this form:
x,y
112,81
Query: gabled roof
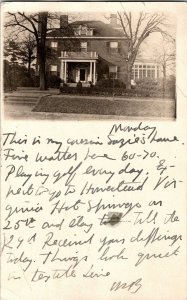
x,y
100,29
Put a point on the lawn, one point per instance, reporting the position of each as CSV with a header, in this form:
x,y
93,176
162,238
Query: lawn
x,y
106,106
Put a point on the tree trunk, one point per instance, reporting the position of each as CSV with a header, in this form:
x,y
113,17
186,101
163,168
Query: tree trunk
x,y
129,73
42,49
128,86
43,84
164,81
29,65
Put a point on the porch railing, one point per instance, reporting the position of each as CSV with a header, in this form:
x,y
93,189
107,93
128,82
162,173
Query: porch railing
x,y
79,55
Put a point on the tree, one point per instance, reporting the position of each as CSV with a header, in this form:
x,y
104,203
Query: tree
x,y
165,56
11,51
37,26
136,29
11,62
26,51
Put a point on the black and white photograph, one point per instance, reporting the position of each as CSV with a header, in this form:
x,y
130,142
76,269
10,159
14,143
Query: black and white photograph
x,y
93,65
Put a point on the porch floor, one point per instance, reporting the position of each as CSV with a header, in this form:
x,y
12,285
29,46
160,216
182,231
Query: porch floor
x,y
74,84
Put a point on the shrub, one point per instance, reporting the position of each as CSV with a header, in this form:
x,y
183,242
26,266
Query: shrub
x,y
79,87
146,83
36,80
108,83
26,81
53,81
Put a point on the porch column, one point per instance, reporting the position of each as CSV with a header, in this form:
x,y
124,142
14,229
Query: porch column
x,y
65,71
62,70
94,74
91,71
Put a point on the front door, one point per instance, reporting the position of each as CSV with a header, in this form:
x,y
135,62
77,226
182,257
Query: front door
x,y
82,74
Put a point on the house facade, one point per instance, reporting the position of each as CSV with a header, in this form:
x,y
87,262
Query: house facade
x,y
87,51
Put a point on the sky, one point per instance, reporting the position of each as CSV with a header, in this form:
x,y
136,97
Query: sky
x,y
90,6
101,11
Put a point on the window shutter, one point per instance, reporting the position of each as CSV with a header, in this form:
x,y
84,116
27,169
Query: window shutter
x,y
119,47
108,46
88,46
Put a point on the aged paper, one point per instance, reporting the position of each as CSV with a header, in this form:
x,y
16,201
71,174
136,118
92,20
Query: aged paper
x,y
95,209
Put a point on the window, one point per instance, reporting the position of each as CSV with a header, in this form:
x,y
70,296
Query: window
x,y
140,73
53,69
113,45
157,71
83,46
77,31
149,73
144,71
113,72
153,74
112,69
54,44
83,30
89,31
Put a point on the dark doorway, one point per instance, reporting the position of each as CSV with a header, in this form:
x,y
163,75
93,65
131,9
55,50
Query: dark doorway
x,y
82,74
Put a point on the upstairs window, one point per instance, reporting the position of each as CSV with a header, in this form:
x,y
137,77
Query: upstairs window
x,y
83,46
54,44
113,47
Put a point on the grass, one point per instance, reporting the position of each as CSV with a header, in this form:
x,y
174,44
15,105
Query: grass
x,y
106,106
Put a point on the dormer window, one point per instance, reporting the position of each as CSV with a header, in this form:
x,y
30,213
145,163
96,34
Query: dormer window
x,y
77,31
83,30
89,31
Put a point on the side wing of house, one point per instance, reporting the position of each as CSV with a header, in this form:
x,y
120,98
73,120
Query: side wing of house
x,y
146,69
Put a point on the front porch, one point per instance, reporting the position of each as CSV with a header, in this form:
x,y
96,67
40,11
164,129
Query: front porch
x,y
78,67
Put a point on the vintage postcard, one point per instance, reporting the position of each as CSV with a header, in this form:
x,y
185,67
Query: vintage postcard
x,y
93,150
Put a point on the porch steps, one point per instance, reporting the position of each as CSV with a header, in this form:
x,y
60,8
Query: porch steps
x,y
24,97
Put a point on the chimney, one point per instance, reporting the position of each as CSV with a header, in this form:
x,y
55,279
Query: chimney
x,y
113,19
63,21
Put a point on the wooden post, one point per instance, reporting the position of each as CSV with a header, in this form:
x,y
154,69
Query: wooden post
x,y
62,70
65,72
91,71
94,74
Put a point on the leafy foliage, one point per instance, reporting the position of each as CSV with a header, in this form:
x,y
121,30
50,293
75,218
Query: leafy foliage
x,y
109,83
